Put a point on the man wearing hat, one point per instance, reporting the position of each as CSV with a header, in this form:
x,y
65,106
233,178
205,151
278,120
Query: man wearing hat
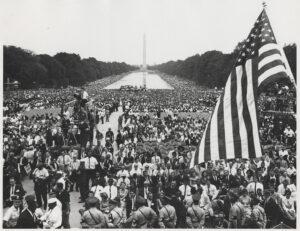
x,y
52,219
11,216
92,217
167,214
195,217
28,219
115,216
143,217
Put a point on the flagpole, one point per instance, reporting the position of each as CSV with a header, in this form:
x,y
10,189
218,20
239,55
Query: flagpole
x,y
288,68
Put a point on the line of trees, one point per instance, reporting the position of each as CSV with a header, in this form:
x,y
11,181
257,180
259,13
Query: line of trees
x,y
212,68
56,71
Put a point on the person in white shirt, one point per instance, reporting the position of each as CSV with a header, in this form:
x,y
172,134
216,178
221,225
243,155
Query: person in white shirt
x,y
110,189
123,171
63,160
210,190
136,170
253,186
52,219
288,205
185,189
291,170
123,178
97,190
41,175
90,164
11,216
283,187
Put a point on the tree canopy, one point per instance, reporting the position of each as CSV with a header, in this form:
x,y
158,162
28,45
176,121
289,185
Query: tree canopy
x,y
212,68
61,70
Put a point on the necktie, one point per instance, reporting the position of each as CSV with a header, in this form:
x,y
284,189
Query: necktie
x,y
64,160
184,190
89,163
255,188
109,192
208,192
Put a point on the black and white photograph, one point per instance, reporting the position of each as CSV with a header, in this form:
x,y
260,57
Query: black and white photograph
x,y
148,114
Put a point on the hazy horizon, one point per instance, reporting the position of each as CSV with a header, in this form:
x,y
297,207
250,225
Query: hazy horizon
x,y
112,30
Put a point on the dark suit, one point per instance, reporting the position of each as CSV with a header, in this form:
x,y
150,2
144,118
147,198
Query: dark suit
x,y
26,221
215,180
64,198
17,191
267,180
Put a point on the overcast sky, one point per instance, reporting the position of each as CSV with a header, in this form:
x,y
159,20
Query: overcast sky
x,y
112,30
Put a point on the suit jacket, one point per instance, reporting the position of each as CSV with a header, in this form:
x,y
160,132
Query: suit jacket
x,y
18,191
26,221
216,182
267,179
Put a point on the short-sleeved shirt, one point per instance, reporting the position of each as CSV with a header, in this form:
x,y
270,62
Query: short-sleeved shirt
x,y
12,216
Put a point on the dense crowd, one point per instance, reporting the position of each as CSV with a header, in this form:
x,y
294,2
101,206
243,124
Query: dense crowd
x,y
139,176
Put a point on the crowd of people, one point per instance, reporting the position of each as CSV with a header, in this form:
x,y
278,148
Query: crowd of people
x,y
139,176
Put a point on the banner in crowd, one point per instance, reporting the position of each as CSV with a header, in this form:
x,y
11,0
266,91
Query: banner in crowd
x,y
232,131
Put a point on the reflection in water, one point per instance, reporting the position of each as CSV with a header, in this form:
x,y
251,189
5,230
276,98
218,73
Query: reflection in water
x,y
152,81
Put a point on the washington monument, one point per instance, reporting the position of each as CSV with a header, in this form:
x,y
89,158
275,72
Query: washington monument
x,y
144,68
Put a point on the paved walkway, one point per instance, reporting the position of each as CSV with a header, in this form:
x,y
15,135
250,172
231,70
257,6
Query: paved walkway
x,y
74,196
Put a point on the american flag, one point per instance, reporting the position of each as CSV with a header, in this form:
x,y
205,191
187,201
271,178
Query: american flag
x,y
232,131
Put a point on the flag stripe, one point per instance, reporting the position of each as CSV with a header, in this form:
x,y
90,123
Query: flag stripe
x,y
214,143
271,72
234,115
207,143
267,47
200,157
232,131
246,113
228,118
221,129
268,53
268,59
251,66
240,107
270,66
